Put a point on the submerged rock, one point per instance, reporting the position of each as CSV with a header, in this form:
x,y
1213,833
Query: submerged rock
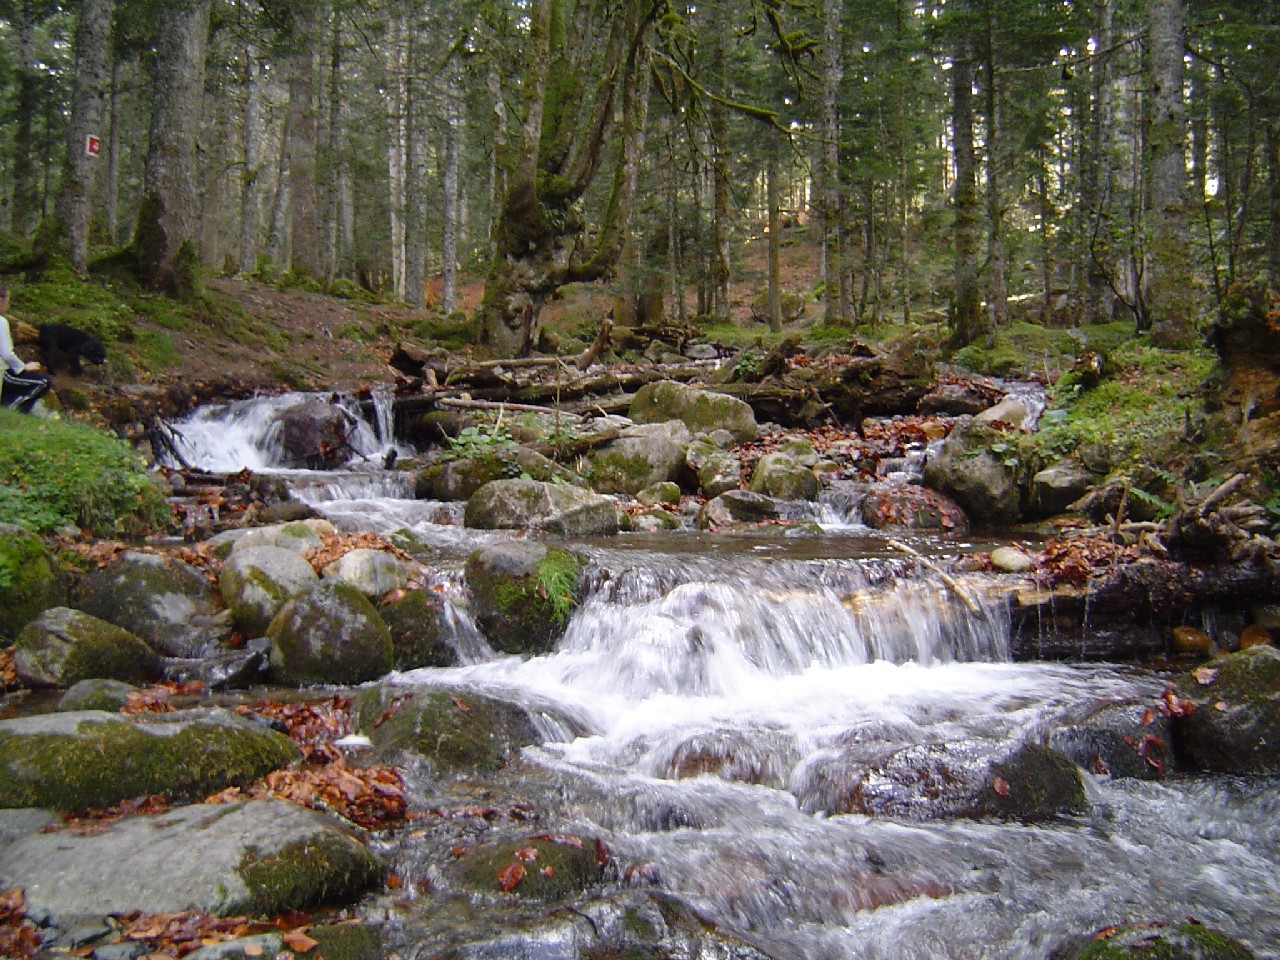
x,y
1124,740
62,646
90,759
331,634
257,858
28,582
1233,725
699,410
523,594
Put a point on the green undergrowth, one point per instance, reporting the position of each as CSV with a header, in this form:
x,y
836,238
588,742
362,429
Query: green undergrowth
x,y
58,472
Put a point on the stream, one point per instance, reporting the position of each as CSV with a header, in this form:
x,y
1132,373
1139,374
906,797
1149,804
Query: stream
x,y
716,699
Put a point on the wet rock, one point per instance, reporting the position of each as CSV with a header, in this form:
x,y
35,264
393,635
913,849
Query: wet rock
x,y
372,572
715,469
1125,740
1010,410
1234,725
977,468
523,594
314,434
1191,640
331,634
781,476
737,506
168,603
62,646
1033,784
1253,635
108,695
257,858
910,508
456,731
257,581
1011,560
90,759
542,867
642,456
954,400
699,410
1148,941
29,584
549,507
416,622
228,670
1056,487
459,479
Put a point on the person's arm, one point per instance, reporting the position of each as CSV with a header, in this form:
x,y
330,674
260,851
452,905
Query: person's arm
x,y
6,349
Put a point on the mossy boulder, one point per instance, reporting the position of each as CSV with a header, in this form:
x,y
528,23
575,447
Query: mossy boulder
x,y
456,731
738,507
374,573
298,536
168,603
640,457
1234,726
91,759
544,867
1155,941
548,507
257,858
976,466
108,695
664,492
331,634
1127,740
523,594
459,479
257,581
29,584
782,476
62,646
907,508
1034,783
699,410
417,624
714,469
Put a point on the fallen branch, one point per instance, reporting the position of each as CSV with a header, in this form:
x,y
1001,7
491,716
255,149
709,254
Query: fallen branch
x,y
461,404
949,580
1227,488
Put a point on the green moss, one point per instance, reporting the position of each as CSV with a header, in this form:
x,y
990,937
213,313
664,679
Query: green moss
x,y
326,869
551,870
332,634
99,651
1187,941
417,635
613,472
348,941
525,609
1039,784
109,759
28,583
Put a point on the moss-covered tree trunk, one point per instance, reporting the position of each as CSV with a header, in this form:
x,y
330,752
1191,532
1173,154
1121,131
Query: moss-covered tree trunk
x,y
966,306
164,241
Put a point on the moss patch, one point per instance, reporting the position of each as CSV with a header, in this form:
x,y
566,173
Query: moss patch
x,y
325,869
547,869
28,583
1035,783
522,603
1187,941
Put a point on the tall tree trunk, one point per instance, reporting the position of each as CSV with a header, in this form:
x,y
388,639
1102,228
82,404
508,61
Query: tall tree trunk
x,y
500,158
721,267
26,189
1095,244
415,213
397,142
837,295
251,136
88,107
1171,296
300,69
114,148
997,281
452,141
772,175
337,248
967,323
164,240
1273,181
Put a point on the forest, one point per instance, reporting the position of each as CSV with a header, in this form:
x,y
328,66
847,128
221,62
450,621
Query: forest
x,y
1061,162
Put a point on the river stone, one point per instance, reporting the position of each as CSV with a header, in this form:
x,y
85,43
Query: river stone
x,y
641,456
314,434
1010,410
1056,487
332,634
737,506
699,410
982,480
716,469
109,695
298,537
256,858
908,508
953,400
781,476
456,731
92,759
1235,724
257,581
523,593
548,507
1154,941
1127,740
459,479
659,493
373,572
62,646
547,866
168,603
1011,560
654,520
418,633
28,583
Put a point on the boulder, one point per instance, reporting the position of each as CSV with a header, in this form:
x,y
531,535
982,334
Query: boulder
x,y
455,731
910,508
737,506
62,646
1056,487
548,507
542,867
257,581
781,476
1011,560
168,603
331,634
664,492
459,479
715,469
640,457
108,695
314,434
1149,941
1011,410
1233,725
28,582
699,410
258,858
298,536
91,759
417,625
954,400
1128,740
978,468
373,572
523,593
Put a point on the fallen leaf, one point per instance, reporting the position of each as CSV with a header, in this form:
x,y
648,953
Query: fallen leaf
x,y
460,704
1001,786
252,949
510,875
299,942
1205,675
1222,706
527,854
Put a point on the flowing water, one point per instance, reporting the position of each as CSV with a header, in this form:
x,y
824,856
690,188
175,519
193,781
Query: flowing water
x,y
717,702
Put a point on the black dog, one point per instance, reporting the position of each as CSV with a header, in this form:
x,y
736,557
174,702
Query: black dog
x,y
60,342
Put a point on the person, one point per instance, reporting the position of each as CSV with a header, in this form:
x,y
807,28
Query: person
x,y
24,384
